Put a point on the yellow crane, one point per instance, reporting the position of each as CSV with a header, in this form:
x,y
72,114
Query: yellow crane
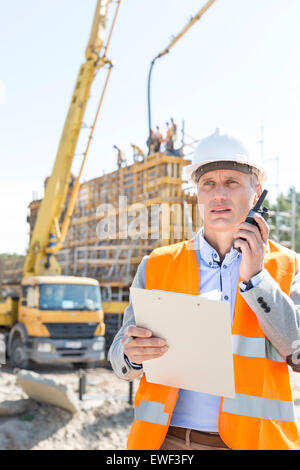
x,y
60,318
47,236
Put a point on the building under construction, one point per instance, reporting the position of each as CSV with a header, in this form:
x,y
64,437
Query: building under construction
x,y
121,217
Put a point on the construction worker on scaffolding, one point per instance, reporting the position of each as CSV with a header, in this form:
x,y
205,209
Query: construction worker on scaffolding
x,y
121,159
169,142
138,154
261,283
174,130
158,140
151,141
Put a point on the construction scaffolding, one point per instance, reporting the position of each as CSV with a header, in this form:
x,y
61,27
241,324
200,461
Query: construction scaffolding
x,y
121,217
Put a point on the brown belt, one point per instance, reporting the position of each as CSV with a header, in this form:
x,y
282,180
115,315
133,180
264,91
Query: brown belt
x,y
199,437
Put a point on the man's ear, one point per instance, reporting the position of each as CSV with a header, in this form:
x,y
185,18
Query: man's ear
x,y
258,192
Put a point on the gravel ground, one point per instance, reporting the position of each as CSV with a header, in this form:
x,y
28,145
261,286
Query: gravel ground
x,y
100,424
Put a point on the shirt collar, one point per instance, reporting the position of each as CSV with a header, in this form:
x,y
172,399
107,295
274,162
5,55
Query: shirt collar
x,y
209,255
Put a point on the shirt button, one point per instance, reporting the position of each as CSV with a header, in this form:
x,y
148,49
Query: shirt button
x,y
210,263
215,255
226,297
224,266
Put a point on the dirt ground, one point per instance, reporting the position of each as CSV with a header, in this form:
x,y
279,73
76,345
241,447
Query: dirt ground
x,y
100,424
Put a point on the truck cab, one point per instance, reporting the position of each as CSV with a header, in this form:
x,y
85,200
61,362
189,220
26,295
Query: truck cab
x,y
60,319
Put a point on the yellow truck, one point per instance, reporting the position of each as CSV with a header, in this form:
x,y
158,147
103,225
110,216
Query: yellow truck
x,y
56,319
60,318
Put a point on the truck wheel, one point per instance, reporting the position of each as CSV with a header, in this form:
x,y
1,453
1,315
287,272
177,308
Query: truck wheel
x,y
18,357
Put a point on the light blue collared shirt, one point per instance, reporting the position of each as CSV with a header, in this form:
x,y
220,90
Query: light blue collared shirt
x,y
195,410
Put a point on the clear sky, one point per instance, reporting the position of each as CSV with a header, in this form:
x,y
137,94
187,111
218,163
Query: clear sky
x,y
238,68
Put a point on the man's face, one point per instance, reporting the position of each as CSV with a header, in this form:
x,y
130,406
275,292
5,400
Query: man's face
x,y
225,198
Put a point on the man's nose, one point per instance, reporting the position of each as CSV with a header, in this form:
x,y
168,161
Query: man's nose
x,y
220,192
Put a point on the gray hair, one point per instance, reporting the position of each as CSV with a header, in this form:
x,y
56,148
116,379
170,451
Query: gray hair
x,y
254,178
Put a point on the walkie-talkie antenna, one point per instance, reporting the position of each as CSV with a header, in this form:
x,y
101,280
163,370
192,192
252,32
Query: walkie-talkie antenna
x,y
260,201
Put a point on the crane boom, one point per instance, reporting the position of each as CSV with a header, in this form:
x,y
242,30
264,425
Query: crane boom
x,y
46,228
192,21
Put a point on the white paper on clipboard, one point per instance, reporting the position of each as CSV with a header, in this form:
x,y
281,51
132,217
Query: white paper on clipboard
x,y
198,335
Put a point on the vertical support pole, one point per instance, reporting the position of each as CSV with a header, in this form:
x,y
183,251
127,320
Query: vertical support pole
x,y
130,397
182,137
82,384
149,106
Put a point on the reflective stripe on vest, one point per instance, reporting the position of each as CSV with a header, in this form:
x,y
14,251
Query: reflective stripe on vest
x,y
151,412
257,407
255,347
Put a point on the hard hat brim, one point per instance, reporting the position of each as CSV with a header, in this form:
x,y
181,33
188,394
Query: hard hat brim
x,y
190,169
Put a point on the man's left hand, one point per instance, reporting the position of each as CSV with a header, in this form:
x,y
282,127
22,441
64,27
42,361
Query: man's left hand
x,y
253,248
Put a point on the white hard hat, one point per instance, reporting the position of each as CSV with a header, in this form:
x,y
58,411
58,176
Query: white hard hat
x,y
223,150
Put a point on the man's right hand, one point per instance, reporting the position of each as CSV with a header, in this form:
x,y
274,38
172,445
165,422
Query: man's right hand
x,y
140,345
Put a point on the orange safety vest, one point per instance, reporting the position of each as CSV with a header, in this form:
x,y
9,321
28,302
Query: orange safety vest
x,y
262,415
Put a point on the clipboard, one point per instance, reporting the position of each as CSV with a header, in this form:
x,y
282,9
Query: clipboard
x,y
197,331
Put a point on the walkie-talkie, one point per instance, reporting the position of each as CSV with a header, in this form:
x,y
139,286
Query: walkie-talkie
x,y
256,210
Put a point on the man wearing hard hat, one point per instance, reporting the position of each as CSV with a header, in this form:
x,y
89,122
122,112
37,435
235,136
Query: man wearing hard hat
x,y
260,280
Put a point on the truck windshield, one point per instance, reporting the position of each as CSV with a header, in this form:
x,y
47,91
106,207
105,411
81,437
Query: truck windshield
x,y
69,297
